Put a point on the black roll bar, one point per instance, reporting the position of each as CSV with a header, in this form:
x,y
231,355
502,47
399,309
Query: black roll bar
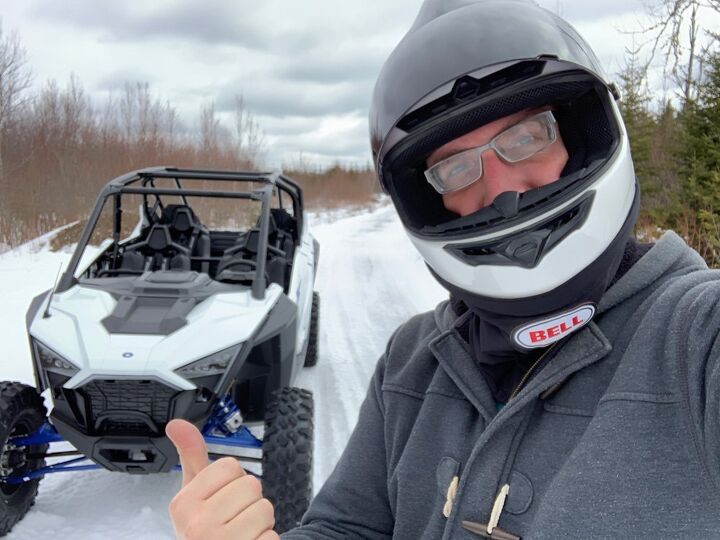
x,y
124,185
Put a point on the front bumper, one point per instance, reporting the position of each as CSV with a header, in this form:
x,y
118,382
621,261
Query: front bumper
x,y
120,424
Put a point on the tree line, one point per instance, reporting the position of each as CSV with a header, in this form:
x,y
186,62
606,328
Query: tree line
x,y
675,142
58,148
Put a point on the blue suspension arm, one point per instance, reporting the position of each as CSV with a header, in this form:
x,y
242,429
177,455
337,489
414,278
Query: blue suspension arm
x,y
217,430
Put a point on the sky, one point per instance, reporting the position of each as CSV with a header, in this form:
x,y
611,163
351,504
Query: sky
x,y
304,69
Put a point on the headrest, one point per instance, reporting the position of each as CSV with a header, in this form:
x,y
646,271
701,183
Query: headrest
x,y
183,220
179,216
159,237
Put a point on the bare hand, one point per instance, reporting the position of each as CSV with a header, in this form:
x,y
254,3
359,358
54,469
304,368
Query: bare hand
x,y
218,500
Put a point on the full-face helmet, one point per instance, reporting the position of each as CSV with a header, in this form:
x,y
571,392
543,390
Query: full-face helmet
x,y
462,65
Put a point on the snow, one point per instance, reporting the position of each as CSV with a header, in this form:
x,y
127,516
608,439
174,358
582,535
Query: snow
x,y
370,280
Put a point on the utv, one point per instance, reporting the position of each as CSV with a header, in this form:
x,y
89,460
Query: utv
x,y
198,304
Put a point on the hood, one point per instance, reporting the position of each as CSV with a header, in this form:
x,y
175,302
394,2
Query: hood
x,y
75,330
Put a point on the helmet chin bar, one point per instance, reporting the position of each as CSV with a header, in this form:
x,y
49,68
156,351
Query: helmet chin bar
x,y
512,208
587,285
564,253
525,250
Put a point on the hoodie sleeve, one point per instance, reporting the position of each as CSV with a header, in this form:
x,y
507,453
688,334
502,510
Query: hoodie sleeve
x,y
698,354
354,502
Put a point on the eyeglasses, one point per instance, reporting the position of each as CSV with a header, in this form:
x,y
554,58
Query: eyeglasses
x,y
519,142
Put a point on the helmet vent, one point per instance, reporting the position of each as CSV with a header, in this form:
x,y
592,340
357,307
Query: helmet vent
x,y
467,88
528,248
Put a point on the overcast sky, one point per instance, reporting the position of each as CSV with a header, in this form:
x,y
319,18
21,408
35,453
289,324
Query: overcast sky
x,y
305,68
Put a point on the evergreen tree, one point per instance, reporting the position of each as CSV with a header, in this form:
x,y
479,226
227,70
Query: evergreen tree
x,y
639,122
701,157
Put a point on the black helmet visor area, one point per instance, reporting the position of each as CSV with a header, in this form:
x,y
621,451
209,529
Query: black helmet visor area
x,y
586,122
450,38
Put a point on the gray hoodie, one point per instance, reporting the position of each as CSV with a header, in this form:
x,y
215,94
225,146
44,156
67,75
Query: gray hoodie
x,y
616,435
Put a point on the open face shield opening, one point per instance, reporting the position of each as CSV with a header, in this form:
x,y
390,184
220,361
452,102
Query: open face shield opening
x,y
585,120
514,144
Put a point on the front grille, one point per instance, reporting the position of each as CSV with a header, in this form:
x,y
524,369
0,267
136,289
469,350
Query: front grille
x,y
123,405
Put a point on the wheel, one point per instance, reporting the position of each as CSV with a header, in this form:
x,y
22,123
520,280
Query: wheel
x,y
287,455
311,355
22,412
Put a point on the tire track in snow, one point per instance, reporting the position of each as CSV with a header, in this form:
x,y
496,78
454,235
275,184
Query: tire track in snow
x,y
370,280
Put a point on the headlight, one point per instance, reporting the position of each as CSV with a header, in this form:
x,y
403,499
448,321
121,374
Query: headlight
x,y
49,360
215,364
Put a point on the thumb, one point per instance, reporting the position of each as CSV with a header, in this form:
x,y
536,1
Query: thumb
x,y
190,447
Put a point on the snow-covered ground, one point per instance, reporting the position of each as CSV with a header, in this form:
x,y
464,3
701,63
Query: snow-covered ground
x,y
370,280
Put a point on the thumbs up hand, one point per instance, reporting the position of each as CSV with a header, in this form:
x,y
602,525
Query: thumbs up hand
x,y
217,500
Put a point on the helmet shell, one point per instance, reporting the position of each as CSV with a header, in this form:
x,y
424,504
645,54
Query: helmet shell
x,y
463,64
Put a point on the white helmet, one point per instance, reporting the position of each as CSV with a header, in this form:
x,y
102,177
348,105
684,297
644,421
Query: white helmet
x,y
464,64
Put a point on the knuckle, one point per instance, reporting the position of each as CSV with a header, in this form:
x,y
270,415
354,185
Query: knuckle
x,y
229,466
196,529
177,503
267,511
252,485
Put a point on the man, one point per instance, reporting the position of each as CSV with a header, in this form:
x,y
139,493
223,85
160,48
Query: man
x,y
570,387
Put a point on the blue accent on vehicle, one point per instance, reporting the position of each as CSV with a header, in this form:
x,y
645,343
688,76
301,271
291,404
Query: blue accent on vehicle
x,y
243,438
216,431
46,433
127,355
64,466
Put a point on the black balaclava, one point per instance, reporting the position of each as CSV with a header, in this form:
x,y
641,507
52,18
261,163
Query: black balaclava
x,y
488,335
500,318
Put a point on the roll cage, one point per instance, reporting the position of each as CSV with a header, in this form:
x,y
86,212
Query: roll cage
x,y
142,182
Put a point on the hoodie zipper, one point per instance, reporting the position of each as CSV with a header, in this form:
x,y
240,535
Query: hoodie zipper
x,y
530,371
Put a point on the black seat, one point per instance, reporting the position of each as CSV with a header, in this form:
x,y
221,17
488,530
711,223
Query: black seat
x,y
181,221
159,238
132,261
155,252
286,230
186,230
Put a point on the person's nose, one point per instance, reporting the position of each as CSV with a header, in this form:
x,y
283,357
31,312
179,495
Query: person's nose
x,y
498,177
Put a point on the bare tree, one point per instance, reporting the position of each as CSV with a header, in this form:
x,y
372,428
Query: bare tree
x,y
77,113
15,78
676,32
127,107
210,129
249,137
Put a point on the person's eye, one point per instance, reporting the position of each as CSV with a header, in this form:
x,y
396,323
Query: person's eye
x,y
523,140
457,169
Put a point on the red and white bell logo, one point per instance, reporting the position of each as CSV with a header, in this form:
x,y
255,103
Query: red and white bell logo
x,y
543,333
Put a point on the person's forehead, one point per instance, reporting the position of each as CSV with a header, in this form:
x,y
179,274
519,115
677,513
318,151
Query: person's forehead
x,y
478,136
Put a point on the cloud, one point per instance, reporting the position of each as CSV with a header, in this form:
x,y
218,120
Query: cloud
x,y
273,25
335,139
305,69
212,22
583,11
118,79
281,98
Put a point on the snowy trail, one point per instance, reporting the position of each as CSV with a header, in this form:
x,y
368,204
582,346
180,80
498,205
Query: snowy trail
x,y
370,280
